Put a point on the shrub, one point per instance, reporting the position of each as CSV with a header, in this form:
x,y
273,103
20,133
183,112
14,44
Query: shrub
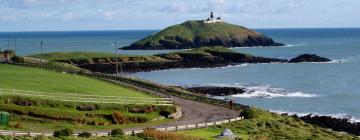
x,y
118,118
63,132
117,132
158,135
248,113
85,134
17,59
164,113
86,107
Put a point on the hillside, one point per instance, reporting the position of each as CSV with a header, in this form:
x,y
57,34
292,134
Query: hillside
x,y
33,79
195,34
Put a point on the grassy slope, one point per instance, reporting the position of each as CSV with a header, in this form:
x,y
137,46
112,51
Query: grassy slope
x,y
270,126
24,78
92,55
72,55
188,30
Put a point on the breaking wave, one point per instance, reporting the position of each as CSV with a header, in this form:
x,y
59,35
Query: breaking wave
x,y
255,91
269,92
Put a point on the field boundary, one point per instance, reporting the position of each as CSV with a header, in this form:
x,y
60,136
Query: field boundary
x,y
87,98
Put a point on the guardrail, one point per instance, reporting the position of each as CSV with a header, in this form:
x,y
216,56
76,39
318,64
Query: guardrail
x,y
87,98
104,133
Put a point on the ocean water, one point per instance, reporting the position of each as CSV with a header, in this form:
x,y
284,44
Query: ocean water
x,y
320,88
28,43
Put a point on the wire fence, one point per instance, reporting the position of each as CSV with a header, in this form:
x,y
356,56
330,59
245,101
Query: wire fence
x,y
87,98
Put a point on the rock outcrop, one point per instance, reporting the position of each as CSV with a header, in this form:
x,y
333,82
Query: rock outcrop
x,y
216,91
308,58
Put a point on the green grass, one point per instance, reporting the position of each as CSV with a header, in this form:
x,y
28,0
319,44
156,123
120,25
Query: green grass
x,y
33,79
72,55
266,125
48,115
197,28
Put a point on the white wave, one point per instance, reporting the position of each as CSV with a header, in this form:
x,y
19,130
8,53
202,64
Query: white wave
x,y
255,91
302,114
233,66
270,92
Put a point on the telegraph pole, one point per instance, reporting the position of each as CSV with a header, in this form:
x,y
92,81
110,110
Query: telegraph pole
x,y
8,51
41,51
117,57
15,45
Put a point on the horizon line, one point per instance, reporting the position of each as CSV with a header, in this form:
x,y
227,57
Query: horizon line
x,y
277,28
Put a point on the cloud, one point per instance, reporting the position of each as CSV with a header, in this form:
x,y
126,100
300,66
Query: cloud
x,y
135,14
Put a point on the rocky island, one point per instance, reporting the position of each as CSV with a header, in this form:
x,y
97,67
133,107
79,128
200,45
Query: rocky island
x,y
198,33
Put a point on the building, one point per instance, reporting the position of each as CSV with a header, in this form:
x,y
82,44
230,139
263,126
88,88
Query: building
x,y
5,56
212,19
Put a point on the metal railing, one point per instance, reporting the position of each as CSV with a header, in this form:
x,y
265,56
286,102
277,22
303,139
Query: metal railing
x,y
87,98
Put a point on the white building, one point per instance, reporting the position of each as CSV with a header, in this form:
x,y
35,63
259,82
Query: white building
x,y
212,19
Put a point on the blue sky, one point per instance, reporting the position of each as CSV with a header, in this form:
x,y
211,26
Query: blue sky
x,y
45,15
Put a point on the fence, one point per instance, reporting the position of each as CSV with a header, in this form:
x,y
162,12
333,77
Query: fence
x,y
188,127
173,128
87,98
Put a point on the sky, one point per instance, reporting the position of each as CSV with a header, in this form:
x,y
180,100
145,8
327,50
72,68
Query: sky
x,y
63,15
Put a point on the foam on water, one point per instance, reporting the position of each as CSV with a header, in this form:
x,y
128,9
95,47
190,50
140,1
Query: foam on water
x,y
269,92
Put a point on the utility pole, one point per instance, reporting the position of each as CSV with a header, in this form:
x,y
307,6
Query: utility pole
x,y
117,57
41,51
15,45
8,51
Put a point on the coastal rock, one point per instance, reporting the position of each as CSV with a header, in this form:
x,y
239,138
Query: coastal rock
x,y
336,124
216,91
227,134
195,34
308,58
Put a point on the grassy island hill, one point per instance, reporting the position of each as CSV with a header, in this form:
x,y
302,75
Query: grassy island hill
x,y
195,34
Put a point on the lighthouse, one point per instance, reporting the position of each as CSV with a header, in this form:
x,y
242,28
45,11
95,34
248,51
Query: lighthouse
x,y
212,19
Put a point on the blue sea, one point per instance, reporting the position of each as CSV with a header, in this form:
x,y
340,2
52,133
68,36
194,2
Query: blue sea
x,y
320,88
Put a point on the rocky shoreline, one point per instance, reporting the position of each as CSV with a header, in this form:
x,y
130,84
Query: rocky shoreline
x,y
336,124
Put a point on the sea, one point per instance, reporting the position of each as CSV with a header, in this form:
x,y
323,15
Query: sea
x,y
331,88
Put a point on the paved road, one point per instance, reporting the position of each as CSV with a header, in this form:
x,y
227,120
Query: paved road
x,y
195,112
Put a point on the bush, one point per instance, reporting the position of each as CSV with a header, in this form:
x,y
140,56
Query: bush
x,y
164,113
117,132
86,107
17,59
118,118
63,132
85,134
248,113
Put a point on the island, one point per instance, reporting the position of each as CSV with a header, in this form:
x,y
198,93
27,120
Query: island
x,y
197,33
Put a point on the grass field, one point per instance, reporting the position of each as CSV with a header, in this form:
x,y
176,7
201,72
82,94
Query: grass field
x,y
72,55
266,125
25,78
